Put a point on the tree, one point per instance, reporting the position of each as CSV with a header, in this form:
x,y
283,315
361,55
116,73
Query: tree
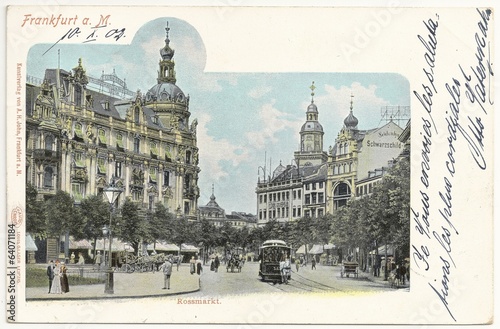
x,y
35,213
160,224
130,228
95,214
61,216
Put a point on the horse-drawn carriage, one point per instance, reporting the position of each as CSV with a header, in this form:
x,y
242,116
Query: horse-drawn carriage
x,y
235,263
235,260
145,263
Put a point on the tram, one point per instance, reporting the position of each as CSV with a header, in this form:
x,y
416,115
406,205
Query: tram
x,y
270,254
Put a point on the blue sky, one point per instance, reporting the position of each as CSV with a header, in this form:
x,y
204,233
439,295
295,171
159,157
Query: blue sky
x,y
242,116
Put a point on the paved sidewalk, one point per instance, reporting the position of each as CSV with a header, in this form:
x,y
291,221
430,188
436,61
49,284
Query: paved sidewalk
x,y
380,280
126,285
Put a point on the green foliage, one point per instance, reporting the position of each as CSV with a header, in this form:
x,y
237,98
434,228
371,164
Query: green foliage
x,y
61,215
95,214
36,217
130,227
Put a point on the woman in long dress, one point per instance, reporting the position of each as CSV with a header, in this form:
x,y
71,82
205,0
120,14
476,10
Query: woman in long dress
x,y
192,265
56,284
64,278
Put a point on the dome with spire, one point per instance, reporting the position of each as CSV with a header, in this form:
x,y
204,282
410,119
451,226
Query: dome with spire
x,y
166,90
351,122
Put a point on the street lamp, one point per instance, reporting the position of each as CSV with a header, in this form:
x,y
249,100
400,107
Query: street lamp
x,y
105,232
112,192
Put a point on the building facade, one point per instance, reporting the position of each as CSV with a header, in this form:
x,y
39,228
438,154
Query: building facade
x,y
79,139
216,215
321,182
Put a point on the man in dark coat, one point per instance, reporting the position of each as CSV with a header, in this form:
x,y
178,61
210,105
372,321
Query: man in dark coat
x,y
50,273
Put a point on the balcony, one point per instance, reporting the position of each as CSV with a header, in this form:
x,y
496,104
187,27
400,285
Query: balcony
x,y
43,154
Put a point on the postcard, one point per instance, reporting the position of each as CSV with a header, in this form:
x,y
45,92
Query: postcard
x,y
249,165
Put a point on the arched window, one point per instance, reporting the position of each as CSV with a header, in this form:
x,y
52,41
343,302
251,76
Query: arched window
x,y
341,149
346,148
188,157
78,95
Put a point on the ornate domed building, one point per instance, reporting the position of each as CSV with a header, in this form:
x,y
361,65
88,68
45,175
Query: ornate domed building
x,y
79,139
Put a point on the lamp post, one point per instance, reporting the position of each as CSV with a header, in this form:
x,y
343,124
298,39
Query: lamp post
x,y
112,192
105,232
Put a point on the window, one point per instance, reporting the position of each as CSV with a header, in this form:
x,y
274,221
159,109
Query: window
x,y
308,199
186,207
119,142
307,187
260,198
313,186
153,150
155,120
168,154
321,198
137,144
79,160
78,132
49,142
102,137
299,194
78,95
77,192
294,195
105,105
166,178
118,169
313,198
294,212
152,175
265,198
101,166
137,195
320,185
47,177
136,115
320,212
298,212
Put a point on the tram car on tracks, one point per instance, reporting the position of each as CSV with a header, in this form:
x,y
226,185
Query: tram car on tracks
x,y
270,254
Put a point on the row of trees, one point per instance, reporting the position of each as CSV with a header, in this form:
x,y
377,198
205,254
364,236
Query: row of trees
x,y
377,219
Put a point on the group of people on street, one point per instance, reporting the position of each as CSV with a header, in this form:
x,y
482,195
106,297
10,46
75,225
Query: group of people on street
x,y
214,265
195,266
58,278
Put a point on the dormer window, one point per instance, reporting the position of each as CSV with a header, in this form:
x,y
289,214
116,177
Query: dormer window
x,y
155,119
105,105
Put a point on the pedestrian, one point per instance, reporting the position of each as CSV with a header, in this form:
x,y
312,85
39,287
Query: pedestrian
x,y
72,260
167,272
98,260
64,278
297,264
216,263
81,260
179,261
199,268
50,273
313,263
192,265
56,283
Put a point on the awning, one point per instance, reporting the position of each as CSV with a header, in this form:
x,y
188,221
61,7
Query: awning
x,y
79,244
329,246
117,245
163,246
302,249
381,251
189,248
316,249
29,243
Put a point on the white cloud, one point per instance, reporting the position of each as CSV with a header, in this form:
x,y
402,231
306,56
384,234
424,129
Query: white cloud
x,y
258,92
336,103
272,121
213,151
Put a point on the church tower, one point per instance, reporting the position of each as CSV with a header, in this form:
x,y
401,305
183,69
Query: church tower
x,y
311,138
